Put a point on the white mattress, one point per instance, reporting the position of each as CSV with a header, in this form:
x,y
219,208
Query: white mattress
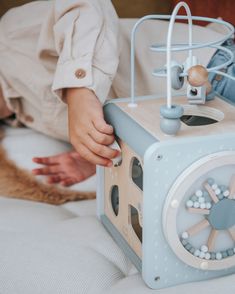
x,y
64,249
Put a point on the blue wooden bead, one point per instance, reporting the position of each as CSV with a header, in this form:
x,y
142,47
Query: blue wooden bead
x,y
224,254
188,246
220,196
230,252
210,181
194,198
184,242
213,255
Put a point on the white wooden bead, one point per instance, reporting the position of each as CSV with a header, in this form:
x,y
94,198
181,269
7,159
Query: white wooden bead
x,y
196,204
214,186
202,254
201,199
197,252
185,235
199,193
226,193
218,256
189,203
203,205
208,205
217,191
207,256
204,248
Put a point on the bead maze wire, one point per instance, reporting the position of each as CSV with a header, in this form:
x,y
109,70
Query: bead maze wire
x,y
179,47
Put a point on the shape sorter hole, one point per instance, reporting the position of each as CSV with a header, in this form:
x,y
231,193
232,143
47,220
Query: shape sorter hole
x,y
134,220
197,115
114,197
137,173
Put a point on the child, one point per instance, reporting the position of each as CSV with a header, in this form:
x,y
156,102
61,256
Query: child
x,y
57,63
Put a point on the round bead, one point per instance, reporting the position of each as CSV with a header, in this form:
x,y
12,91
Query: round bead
x,y
223,188
220,196
185,235
192,250
214,186
208,87
224,254
170,126
202,254
205,194
218,256
197,252
217,191
230,252
196,204
213,255
202,205
208,205
197,75
207,256
188,246
226,193
204,248
184,242
194,198
210,181
199,193
201,199
189,203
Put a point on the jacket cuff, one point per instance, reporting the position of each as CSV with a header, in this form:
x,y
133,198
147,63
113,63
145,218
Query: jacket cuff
x,y
77,74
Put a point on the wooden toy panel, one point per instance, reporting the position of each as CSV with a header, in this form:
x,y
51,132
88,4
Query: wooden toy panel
x,y
123,197
147,114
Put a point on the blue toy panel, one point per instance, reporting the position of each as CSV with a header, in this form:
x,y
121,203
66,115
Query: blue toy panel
x,y
163,164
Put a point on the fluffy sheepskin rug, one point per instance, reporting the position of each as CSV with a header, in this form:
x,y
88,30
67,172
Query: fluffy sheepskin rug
x,y
18,183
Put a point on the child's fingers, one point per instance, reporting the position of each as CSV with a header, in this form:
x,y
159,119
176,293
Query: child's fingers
x,y
48,170
101,126
68,182
99,149
85,152
45,160
54,179
100,137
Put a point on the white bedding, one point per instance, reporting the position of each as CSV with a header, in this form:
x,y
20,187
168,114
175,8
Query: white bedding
x,y
64,249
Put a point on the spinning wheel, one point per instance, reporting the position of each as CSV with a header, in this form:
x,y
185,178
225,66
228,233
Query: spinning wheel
x,y
204,196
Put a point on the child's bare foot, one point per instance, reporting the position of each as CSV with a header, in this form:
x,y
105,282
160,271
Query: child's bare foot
x,y
66,168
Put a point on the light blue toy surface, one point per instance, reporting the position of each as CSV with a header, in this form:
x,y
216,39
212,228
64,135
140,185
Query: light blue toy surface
x,y
175,170
169,201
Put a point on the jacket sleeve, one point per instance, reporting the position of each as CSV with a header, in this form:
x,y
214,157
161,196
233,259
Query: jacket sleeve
x,y
86,41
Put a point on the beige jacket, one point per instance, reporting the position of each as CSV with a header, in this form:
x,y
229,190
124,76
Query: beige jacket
x,y
46,46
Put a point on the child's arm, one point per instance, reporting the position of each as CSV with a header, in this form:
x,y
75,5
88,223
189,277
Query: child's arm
x,y
85,34
89,133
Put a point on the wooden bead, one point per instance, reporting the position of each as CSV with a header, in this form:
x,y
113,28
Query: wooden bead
x,y
197,75
208,87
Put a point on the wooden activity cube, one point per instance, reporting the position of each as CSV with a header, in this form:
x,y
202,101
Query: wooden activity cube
x,y
170,202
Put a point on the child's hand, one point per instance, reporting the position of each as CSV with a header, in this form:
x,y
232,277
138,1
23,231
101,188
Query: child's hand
x,y
89,133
